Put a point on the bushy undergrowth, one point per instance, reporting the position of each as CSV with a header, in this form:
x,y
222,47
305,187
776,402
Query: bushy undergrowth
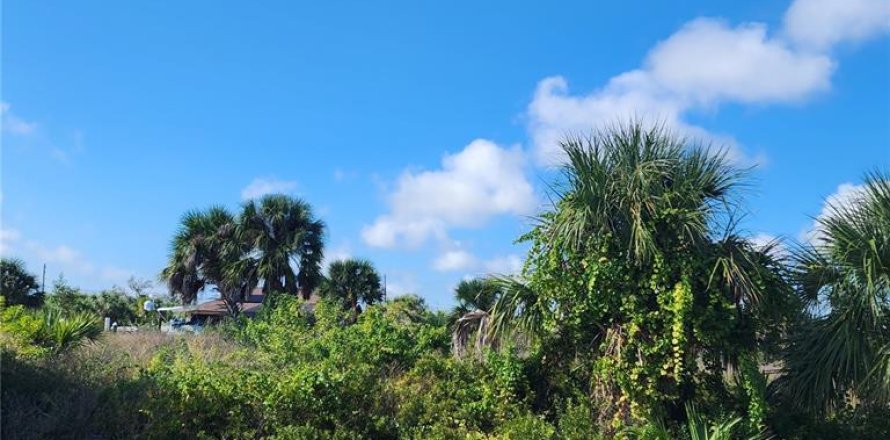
x,y
296,373
290,373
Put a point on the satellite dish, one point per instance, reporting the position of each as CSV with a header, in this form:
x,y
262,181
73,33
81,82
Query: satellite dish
x,y
148,306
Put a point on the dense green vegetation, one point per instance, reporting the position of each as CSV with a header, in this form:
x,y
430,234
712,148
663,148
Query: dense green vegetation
x,y
642,312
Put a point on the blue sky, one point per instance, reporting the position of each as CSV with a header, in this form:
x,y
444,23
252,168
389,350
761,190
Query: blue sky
x,y
422,132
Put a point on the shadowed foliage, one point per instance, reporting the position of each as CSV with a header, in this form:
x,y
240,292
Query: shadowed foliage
x,y
17,285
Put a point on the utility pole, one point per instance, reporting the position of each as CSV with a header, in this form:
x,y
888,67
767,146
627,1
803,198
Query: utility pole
x,y
43,281
384,287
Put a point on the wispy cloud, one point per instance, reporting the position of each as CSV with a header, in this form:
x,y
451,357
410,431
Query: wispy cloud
x,y
341,175
342,251
267,185
12,123
61,259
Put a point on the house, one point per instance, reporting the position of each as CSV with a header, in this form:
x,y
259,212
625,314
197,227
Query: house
x,y
209,312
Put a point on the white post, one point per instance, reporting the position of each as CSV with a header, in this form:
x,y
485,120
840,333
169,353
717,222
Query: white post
x,y
107,323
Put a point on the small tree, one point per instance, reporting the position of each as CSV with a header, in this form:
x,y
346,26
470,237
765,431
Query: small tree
x,y
19,287
67,299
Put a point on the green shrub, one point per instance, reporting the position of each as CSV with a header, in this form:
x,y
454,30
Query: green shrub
x,y
47,331
527,427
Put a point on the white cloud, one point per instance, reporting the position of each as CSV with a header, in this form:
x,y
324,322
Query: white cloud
x,y
762,240
14,124
554,113
262,186
846,195
820,24
400,285
454,260
507,265
9,235
474,185
707,63
460,260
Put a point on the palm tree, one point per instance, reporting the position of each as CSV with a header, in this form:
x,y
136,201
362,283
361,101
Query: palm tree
x,y
205,253
283,233
474,294
843,348
644,191
494,309
471,317
637,258
352,282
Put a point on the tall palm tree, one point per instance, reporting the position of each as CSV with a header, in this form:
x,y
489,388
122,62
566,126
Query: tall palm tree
x,y
205,253
641,193
637,259
844,346
282,233
352,282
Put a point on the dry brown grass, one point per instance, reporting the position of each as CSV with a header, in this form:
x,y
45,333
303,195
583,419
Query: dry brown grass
x,y
141,347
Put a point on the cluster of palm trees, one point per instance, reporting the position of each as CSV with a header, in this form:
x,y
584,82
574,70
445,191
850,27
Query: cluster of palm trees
x,y
275,242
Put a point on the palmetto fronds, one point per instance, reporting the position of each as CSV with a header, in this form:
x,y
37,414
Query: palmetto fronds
x,y
845,277
515,313
475,294
283,234
471,334
197,256
702,429
624,181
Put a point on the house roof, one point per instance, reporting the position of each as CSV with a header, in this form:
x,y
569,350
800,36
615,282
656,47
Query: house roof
x,y
218,308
